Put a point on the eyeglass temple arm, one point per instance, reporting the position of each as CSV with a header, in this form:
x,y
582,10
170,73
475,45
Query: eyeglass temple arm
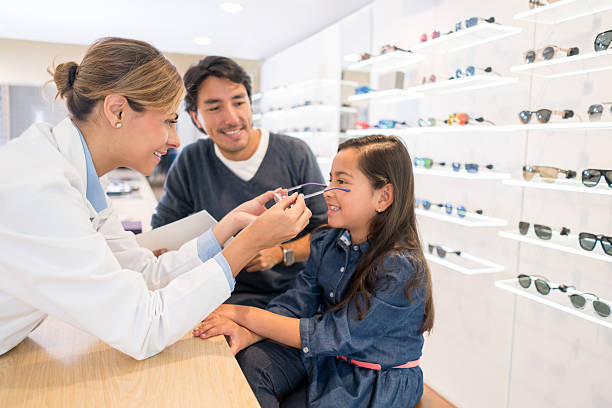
x,y
326,190
306,184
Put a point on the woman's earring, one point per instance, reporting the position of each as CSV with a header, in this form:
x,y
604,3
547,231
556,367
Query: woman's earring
x,y
118,125
379,210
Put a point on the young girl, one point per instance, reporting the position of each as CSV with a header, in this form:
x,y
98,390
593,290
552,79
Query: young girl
x,y
352,326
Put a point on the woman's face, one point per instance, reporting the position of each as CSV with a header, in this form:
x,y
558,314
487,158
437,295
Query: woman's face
x,y
146,137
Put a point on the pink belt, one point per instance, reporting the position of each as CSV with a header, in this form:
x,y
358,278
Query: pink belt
x,y
374,366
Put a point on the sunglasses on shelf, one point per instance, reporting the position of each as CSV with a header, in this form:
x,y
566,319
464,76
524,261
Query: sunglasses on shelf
x,y
441,251
591,177
434,35
464,119
539,3
472,21
588,241
390,48
431,79
548,53
579,300
429,122
389,124
595,111
363,90
471,71
548,174
426,162
544,115
470,167
542,285
541,231
362,125
448,207
603,40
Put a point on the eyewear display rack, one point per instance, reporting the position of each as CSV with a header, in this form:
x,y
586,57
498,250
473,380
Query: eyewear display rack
x,y
564,10
390,61
486,266
555,299
561,126
470,220
388,95
562,185
563,243
465,84
415,130
567,66
481,175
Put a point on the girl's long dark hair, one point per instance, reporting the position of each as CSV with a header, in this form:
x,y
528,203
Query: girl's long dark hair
x,y
385,160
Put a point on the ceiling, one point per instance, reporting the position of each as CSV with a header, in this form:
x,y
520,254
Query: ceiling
x,y
262,29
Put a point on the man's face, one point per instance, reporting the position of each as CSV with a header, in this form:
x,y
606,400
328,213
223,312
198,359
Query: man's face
x,y
224,108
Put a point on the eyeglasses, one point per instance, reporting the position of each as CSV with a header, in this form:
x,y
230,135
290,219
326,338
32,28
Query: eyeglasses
x,y
362,125
426,162
470,167
448,207
390,48
429,122
434,35
464,119
540,3
542,285
588,241
389,124
472,21
595,111
579,300
431,79
471,71
363,90
541,231
543,115
548,174
548,53
278,196
603,40
591,177
441,251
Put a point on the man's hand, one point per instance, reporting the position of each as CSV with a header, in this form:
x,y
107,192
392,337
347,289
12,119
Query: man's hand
x,y
237,336
265,259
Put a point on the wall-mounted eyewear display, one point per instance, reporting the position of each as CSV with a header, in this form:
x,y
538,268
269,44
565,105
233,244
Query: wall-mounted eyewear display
x,y
426,162
441,251
548,174
595,111
588,241
548,53
540,3
544,115
470,167
464,119
603,40
541,231
591,177
472,21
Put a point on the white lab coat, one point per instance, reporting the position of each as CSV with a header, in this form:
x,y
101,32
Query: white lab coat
x,y
55,260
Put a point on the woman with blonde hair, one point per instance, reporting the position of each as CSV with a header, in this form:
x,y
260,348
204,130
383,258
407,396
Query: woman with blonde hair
x,y
63,251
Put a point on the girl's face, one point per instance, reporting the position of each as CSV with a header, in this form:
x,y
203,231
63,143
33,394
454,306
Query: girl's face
x,y
352,210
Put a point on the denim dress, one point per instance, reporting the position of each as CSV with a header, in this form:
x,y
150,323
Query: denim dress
x,y
388,335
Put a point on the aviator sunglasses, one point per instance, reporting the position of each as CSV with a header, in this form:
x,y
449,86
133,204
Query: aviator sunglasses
x,y
548,53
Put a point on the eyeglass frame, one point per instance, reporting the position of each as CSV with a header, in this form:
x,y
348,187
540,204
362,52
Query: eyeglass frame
x,y
532,169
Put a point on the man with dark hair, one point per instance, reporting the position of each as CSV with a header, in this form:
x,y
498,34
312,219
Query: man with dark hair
x,y
235,163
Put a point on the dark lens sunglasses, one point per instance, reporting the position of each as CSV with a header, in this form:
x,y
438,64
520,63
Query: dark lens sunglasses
x,y
472,21
544,115
548,53
591,177
595,111
389,124
470,167
603,40
541,231
588,241
441,251
542,285
579,301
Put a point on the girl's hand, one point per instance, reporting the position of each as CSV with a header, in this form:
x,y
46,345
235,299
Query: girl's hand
x,y
237,336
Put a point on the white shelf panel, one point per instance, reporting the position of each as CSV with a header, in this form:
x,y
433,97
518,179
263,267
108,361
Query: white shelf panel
x,y
470,83
555,299
567,66
470,219
297,86
562,185
488,266
388,95
310,109
470,37
564,10
257,116
562,126
415,130
481,175
391,61
563,243
310,134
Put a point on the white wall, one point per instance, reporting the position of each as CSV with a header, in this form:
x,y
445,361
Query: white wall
x,y
490,348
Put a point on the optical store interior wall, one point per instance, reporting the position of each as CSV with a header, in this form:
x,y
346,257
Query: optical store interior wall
x,y
494,343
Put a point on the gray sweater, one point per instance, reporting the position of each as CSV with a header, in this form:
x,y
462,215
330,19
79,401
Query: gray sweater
x,y
198,180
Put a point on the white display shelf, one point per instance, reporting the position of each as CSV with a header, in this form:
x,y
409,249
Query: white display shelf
x,y
565,66
310,109
564,10
470,83
561,184
488,266
481,175
470,219
311,83
470,37
257,116
562,126
391,61
306,134
555,299
563,243
388,95
415,130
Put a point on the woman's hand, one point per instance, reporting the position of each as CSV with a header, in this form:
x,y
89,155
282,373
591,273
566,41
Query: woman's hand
x,y
238,337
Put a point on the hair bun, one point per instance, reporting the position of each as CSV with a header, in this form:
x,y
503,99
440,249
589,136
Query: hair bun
x,y
64,76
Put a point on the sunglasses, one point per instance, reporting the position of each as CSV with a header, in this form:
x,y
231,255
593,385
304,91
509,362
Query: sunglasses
x,y
540,3
390,48
431,79
362,125
278,196
464,119
588,241
434,35
441,251
595,111
591,177
471,71
542,285
448,207
429,122
543,115
579,301
548,174
548,53
470,167
541,231
363,90
389,124
426,162
603,40
472,21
